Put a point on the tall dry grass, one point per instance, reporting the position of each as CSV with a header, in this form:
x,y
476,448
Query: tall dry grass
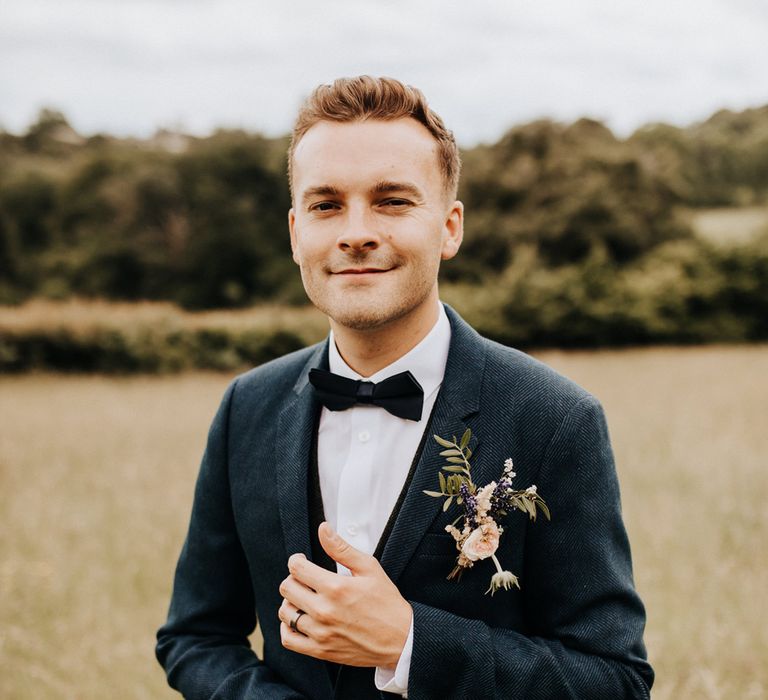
x,y
689,432
82,315
729,225
96,478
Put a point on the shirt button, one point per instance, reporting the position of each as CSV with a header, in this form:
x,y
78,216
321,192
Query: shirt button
x,y
363,436
352,529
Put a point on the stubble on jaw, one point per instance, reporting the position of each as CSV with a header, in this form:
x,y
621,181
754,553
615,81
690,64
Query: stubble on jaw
x,y
371,318
362,309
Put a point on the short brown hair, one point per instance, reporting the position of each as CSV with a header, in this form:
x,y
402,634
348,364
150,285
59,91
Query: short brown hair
x,y
365,97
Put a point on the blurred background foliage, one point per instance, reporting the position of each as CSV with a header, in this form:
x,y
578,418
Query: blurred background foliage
x,y
574,237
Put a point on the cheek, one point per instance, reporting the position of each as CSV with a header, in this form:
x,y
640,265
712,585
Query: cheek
x,y
431,255
307,252
308,235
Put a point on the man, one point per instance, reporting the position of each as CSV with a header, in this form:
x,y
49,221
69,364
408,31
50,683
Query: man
x,y
309,511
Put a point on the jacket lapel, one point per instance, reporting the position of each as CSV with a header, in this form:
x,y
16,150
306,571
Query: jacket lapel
x,y
458,399
295,427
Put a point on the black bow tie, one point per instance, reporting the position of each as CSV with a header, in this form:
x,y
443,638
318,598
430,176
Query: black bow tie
x,y
400,394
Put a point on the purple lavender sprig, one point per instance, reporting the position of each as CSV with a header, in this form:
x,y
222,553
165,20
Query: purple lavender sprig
x,y
500,498
504,498
470,505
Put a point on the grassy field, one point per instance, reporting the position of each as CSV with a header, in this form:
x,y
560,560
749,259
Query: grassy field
x,y
96,478
729,225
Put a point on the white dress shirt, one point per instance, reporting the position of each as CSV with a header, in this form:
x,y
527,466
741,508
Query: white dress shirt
x,y
364,455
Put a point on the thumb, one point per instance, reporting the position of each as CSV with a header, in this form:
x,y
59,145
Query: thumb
x,y
342,552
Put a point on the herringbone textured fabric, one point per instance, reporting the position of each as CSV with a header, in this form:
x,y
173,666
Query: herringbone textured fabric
x,y
575,628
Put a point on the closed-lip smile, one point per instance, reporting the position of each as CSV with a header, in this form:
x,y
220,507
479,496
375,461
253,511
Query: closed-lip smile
x,y
361,270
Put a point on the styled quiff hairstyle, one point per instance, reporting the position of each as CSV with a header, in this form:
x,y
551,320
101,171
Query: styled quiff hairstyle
x,y
365,97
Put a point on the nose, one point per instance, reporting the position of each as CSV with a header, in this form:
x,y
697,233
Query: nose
x,y
359,233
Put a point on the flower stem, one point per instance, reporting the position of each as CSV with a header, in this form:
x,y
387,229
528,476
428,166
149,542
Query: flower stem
x,y
496,562
468,467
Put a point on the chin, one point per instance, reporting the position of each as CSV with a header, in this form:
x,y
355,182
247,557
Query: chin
x,y
361,319
367,310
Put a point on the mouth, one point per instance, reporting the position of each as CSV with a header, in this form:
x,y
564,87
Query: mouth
x,y
362,271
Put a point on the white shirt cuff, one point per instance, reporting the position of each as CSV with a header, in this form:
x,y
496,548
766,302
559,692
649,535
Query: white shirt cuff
x,y
396,681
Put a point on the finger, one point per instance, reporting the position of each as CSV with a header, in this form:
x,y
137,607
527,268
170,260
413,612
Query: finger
x,y
288,612
344,553
299,595
303,644
297,642
310,574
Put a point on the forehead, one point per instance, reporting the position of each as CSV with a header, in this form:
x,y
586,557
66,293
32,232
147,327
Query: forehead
x,y
345,154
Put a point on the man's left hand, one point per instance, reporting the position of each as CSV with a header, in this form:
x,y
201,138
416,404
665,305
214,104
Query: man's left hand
x,y
357,620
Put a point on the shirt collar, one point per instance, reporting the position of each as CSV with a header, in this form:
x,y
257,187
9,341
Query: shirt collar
x,y
426,362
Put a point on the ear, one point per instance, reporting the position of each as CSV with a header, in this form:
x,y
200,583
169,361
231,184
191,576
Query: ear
x,y
453,231
292,231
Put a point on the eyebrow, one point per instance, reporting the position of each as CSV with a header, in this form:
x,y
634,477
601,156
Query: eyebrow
x,y
385,186
381,187
319,191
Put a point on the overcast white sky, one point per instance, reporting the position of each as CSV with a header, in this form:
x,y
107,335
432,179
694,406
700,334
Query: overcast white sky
x,y
131,66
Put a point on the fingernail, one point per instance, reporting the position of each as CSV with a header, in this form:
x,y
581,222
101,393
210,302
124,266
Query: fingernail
x,y
294,557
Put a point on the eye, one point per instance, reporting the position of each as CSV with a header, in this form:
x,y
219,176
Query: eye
x,y
323,206
396,203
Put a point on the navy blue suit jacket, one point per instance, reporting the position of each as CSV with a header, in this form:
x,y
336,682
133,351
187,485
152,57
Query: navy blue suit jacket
x,y
575,628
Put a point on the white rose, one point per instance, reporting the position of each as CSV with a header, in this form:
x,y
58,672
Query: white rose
x,y
482,542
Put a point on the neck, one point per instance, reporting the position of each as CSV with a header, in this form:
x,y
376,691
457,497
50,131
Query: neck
x,y
368,351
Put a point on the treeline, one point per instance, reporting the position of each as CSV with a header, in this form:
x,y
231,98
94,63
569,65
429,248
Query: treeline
x,y
683,292
125,219
573,236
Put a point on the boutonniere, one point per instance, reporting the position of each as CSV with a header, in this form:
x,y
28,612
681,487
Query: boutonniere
x,y
479,535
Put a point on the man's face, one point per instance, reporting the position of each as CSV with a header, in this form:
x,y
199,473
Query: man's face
x,y
371,221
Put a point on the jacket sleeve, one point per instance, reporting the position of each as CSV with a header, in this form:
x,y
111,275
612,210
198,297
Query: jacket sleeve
x,y
203,646
585,620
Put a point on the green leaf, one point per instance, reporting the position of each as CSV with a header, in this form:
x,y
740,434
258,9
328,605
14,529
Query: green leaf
x,y
543,508
452,468
530,508
443,441
436,494
465,438
442,481
455,460
467,453
447,503
450,453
